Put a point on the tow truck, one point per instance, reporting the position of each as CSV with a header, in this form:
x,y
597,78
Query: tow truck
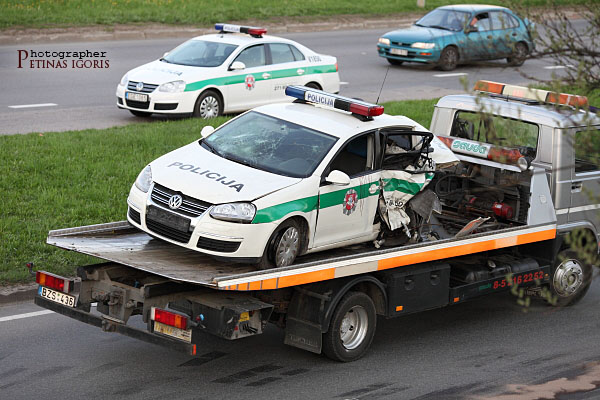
x,y
512,214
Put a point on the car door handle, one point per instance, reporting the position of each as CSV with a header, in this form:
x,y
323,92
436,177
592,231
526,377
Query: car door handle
x,y
266,75
514,33
300,71
576,187
489,37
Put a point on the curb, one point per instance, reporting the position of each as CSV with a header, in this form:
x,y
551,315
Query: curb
x,y
160,31
17,293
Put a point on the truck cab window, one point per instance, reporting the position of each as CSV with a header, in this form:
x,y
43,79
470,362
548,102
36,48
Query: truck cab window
x,y
585,158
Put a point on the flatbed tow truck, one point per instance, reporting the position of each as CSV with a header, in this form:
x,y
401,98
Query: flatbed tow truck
x,y
518,239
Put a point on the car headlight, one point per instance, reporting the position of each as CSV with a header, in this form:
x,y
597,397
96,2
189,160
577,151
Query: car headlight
x,y
144,179
123,80
172,87
383,40
421,45
234,212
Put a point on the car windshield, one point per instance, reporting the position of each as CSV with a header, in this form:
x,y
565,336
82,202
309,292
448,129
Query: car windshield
x,y
200,53
451,20
270,144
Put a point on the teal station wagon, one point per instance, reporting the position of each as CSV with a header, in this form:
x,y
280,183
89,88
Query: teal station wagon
x,y
450,35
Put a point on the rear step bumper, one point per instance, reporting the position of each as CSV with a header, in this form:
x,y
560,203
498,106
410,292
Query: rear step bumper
x,y
98,321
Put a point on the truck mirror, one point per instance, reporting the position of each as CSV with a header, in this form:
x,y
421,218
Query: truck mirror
x,y
338,178
206,131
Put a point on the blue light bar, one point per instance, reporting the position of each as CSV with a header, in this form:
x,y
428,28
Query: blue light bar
x,y
250,30
315,96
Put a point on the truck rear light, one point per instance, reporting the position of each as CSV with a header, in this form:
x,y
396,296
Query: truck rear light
x,y
169,318
54,281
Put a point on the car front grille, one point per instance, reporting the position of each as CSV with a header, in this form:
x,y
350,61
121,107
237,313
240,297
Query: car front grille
x,y
135,216
167,231
138,104
217,245
190,206
148,87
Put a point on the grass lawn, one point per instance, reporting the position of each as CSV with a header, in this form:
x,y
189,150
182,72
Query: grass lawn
x,y
66,179
53,13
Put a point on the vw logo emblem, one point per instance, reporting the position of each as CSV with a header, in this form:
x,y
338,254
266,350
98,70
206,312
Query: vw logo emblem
x,y
139,86
175,202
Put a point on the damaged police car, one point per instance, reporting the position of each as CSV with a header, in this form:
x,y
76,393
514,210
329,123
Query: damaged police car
x,y
286,179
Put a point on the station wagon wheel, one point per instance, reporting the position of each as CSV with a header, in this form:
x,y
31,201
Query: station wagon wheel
x,y
448,59
208,105
394,62
313,85
140,113
283,247
571,279
518,56
351,329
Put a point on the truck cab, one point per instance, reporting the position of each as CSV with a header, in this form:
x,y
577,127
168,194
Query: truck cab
x,y
552,132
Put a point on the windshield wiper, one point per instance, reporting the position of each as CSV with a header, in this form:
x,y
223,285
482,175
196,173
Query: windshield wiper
x,y
210,147
417,24
164,60
243,162
439,27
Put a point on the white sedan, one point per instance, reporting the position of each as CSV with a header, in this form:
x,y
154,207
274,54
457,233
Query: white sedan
x,y
237,69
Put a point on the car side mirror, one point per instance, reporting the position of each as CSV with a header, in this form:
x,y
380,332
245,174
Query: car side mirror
x,y
471,28
206,131
237,65
338,178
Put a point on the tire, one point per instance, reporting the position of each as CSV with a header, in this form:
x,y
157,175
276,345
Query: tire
x,y
449,59
394,62
571,279
313,85
283,247
519,55
351,329
208,105
140,113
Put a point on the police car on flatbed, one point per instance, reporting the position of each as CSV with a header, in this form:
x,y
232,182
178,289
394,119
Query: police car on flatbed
x,y
234,70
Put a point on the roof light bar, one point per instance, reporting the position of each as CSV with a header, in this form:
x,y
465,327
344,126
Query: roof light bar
x,y
54,281
524,92
250,30
315,96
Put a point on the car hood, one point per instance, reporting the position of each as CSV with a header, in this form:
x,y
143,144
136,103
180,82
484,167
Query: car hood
x,y
159,72
196,172
417,34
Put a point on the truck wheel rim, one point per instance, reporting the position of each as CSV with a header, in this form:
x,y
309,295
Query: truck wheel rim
x,y
209,107
568,278
354,327
287,248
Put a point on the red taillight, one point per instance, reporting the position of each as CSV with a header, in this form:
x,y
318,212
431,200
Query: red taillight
x,y
53,282
336,67
169,318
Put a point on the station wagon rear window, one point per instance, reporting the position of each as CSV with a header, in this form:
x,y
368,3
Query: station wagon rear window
x,y
271,144
495,130
200,53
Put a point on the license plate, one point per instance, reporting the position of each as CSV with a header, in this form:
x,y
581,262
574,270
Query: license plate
x,y
57,297
167,218
177,333
399,52
136,97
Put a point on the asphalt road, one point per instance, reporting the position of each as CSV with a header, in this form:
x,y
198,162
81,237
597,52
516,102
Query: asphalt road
x,y
85,98
471,350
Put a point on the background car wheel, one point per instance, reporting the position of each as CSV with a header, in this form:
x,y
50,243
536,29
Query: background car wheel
x,y
140,113
519,55
283,247
208,105
313,85
571,279
448,59
394,62
351,329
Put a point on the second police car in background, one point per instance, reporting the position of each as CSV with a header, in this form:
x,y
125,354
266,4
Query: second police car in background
x,y
279,180
234,70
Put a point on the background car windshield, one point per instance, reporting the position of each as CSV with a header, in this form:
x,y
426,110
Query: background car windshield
x,y
445,19
200,53
271,144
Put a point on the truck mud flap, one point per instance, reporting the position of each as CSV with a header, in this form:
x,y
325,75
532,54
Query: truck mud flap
x,y
98,321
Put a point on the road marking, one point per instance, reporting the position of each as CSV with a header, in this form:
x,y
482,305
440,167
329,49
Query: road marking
x,y
26,315
558,66
449,75
344,83
34,105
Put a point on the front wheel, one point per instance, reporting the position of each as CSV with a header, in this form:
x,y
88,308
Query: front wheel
x,y
571,279
283,247
518,56
208,105
351,329
448,59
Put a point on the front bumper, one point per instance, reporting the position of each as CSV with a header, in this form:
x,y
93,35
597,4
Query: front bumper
x,y
158,102
222,239
428,56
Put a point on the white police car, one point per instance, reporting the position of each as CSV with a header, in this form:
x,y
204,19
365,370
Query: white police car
x,y
285,179
234,70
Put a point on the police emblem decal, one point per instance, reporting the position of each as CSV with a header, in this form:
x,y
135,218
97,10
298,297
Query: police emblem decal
x,y
350,200
250,81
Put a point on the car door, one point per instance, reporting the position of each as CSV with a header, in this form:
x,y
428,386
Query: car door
x,y
286,68
251,86
479,43
504,34
347,212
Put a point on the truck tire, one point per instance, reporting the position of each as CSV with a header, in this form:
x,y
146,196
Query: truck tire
x,y
208,105
351,329
283,247
571,279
